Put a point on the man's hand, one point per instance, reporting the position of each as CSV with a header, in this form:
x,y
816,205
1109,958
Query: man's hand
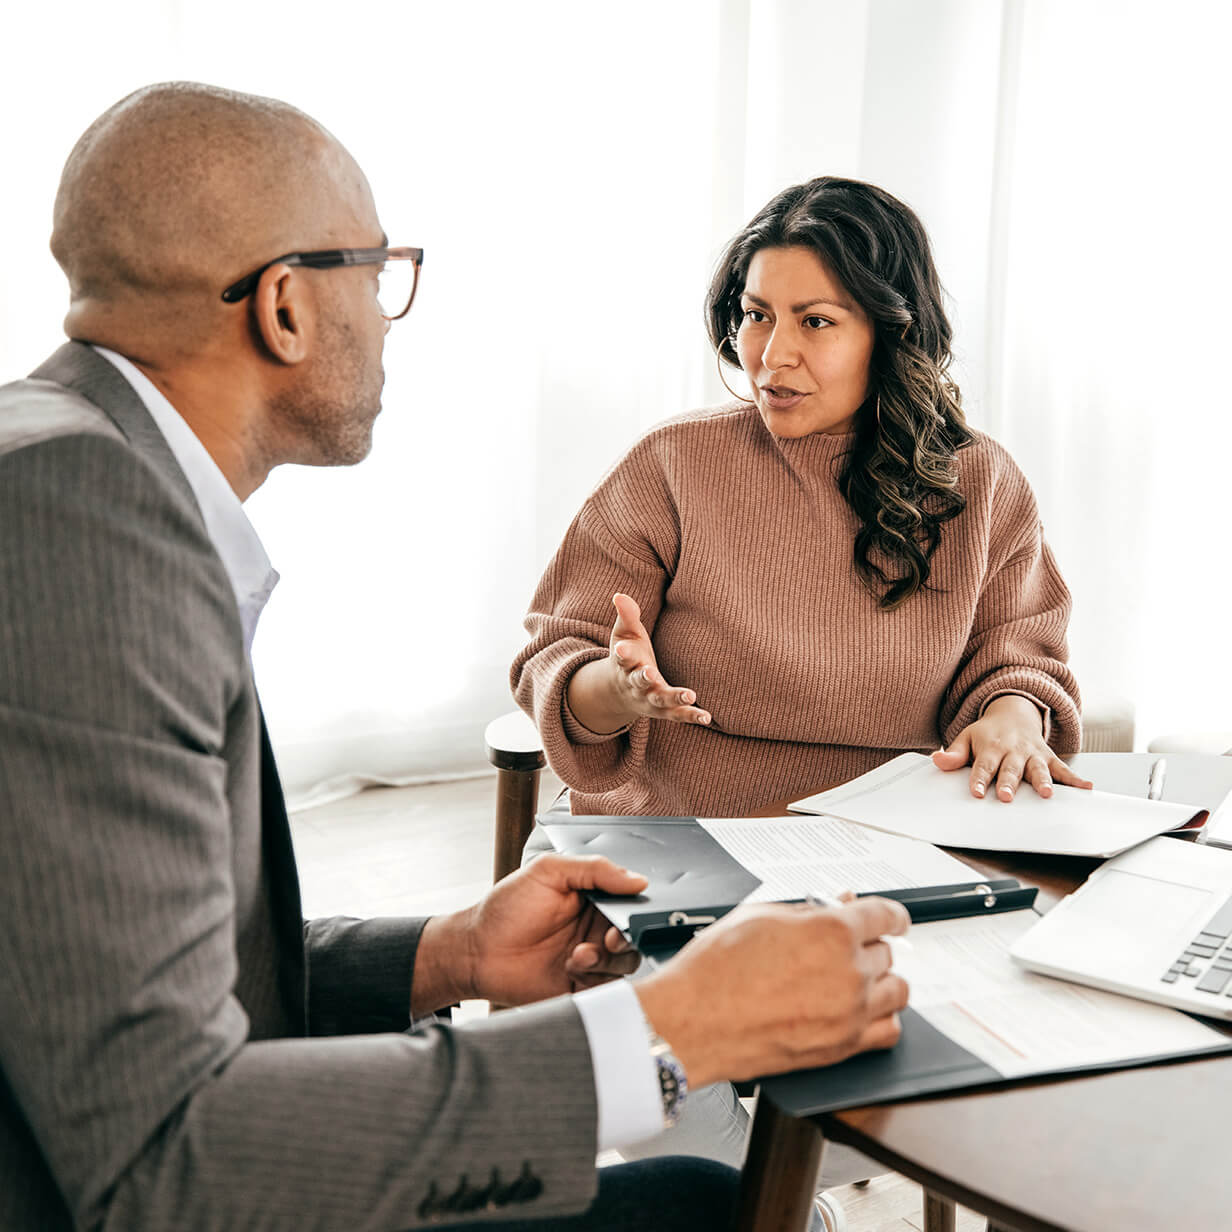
x,y
608,694
533,936
777,987
1006,745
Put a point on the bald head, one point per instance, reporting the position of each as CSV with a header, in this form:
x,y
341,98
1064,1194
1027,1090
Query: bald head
x,y
180,189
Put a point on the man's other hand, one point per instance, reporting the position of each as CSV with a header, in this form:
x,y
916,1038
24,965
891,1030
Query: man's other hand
x,y
534,935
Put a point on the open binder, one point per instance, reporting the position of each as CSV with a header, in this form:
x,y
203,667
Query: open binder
x,y
693,881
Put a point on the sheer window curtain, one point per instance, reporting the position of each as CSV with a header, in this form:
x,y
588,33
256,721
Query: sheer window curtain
x,y
572,174
1106,365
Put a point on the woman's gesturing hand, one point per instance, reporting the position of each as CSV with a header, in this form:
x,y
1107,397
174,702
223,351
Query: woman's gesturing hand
x,y
1006,745
608,694
638,678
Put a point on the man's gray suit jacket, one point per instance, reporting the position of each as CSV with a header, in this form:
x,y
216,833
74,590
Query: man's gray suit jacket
x,y
162,1003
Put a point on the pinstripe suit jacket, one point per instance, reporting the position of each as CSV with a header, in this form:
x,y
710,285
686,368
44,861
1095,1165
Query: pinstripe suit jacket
x,y
163,1008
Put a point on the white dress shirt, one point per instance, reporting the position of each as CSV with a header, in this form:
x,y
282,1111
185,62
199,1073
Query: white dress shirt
x,y
626,1081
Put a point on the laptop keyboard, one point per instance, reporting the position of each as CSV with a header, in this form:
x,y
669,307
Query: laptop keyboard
x,y
1208,957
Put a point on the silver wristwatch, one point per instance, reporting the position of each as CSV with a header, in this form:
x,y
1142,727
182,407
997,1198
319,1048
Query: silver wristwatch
x,y
673,1085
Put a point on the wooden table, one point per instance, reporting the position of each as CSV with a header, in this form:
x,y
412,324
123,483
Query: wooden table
x,y
1139,1150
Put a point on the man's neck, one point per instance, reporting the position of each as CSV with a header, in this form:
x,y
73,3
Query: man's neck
x,y
207,400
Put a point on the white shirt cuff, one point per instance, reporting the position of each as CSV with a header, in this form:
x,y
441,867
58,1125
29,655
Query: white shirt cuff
x,y
626,1080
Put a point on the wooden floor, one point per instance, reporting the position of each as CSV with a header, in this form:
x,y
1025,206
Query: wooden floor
x,y
424,850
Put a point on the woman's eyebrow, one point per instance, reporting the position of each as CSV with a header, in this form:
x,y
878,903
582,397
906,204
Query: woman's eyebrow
x,y
810,303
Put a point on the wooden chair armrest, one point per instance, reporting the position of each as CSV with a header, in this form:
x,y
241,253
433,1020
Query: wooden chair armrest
x,y
516,751
513,743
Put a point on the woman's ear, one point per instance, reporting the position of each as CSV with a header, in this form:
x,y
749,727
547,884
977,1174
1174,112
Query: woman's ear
x,y
282,314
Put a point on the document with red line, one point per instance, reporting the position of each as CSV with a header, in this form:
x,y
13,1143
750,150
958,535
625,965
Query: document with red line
x,y
965,984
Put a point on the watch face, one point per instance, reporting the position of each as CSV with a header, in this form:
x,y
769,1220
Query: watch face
x,y
672,1086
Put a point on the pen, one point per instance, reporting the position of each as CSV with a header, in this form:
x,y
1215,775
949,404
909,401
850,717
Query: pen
x,y
898,945
1155,784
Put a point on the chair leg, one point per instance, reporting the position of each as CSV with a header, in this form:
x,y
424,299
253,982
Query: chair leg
x,y
517,797
939,1214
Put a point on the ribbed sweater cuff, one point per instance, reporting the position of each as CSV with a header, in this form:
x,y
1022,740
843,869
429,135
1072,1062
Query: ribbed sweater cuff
x,y
587,761
1063,727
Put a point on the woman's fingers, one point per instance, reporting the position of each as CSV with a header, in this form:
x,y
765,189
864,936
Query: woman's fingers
x,y
1042,770
1063,774
957,755
1009,775
628,618
624,653
1038,775
984,771
653,696
1004,748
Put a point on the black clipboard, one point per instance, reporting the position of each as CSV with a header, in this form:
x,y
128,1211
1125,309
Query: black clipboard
x,y
694,881
691,876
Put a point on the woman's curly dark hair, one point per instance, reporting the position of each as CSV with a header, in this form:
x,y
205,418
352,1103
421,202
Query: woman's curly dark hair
x,y
900,476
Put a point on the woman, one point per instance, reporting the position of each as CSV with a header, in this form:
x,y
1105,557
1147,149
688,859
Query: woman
x,y
807,581
815,578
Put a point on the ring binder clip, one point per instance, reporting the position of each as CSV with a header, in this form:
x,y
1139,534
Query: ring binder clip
x,y
682,919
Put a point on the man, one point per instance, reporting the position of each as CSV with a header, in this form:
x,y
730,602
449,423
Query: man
x,y
177,1049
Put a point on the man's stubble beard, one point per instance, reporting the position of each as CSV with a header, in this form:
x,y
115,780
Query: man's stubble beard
x,y
329,416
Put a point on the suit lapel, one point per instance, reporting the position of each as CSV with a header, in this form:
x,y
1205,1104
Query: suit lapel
x,y
283,883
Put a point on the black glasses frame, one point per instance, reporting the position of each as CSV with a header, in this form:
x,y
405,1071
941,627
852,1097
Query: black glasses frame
x,y
332,258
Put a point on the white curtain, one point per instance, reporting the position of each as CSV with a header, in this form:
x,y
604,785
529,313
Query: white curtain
x,y
572,172
1107,377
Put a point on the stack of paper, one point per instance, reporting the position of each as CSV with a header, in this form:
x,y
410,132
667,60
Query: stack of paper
x,y
910,796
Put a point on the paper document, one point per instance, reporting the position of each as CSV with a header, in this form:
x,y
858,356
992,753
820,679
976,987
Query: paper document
x,y
911,797
964,982
793,856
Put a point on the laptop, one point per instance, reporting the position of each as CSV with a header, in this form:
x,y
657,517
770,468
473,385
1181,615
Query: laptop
x,y
1154,923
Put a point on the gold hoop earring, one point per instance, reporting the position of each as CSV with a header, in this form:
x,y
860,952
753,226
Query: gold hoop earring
x,y
723,381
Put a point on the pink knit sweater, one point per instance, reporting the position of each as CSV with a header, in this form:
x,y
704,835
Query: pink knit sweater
x,y
737,544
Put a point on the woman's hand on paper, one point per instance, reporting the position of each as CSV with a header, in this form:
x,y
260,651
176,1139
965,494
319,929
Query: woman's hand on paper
x,y
1005,745
608,694
778,986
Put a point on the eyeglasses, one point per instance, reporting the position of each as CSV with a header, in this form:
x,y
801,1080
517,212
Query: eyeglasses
x,y
399,276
